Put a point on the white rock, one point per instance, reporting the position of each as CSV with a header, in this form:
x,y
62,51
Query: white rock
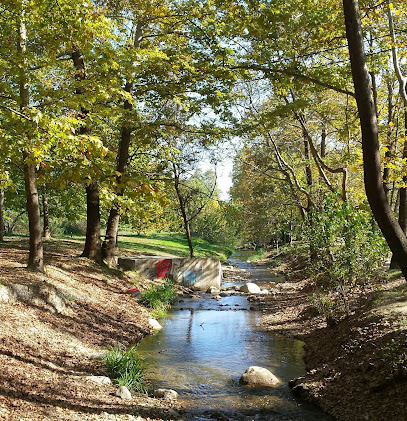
x,y
213,290
4,295
96,355
260,376
154,324
251,288
265,291
167,394
99,379
123,392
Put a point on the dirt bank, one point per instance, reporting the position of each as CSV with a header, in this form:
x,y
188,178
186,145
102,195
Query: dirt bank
x,y
53,326
356,366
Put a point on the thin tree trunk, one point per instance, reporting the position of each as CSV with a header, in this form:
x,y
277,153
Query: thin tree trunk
x,y
402,196
36,255
1,215
92,248
46,232
388,153
36,252
109,245
376,195
183,213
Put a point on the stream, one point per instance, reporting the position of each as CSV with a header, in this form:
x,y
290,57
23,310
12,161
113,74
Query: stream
x,y
205,346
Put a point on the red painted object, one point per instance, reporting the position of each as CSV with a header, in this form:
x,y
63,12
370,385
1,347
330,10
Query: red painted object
x,y
163,267
133,290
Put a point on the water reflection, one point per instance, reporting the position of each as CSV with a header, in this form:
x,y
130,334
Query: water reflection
x,y
202,352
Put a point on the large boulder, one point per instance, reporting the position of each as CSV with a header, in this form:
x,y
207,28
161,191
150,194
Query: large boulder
x,y
259,376
251,288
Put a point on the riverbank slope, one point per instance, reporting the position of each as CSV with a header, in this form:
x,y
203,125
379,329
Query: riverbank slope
x,y
356,363
53,328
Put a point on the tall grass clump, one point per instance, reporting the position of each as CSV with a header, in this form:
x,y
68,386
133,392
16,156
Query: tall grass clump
x,y
126,368
159,297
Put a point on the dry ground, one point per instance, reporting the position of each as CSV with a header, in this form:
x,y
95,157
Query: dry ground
x,y
45,355
356,367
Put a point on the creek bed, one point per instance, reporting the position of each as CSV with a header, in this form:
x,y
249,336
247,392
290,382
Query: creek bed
x,y
203,349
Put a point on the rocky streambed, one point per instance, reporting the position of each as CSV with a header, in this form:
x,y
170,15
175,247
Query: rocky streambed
x,y
210,339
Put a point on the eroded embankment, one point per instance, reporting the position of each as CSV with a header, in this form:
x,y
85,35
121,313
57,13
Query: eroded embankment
x,y
356,367
54,326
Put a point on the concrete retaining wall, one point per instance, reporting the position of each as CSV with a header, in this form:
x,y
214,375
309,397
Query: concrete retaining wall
x,y
198,272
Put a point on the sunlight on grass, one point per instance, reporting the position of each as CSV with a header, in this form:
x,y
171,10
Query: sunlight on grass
x,y
169,244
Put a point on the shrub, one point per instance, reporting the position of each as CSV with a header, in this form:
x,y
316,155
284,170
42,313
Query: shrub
x,y
126,368
346,246
159,297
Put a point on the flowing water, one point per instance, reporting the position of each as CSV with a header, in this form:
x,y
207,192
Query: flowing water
x,y
203,349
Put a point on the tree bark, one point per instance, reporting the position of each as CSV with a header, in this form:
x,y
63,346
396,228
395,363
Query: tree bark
x,y
183,212
109,245
92,248
36,252
46,232
1,215
376,196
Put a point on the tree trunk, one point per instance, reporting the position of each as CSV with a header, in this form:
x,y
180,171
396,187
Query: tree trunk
x,y
110,243
46,232
183,213
92,248
402,196
1,215
376,196
36,254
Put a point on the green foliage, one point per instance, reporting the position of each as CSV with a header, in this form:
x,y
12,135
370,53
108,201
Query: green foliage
x,y
126,368
322,304
395,357
346,247
159,297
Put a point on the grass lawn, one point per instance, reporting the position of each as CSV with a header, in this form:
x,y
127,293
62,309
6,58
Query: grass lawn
x,y
169,244
162,244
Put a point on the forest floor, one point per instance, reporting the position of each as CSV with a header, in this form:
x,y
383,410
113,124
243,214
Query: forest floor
x,y
357,362
49,346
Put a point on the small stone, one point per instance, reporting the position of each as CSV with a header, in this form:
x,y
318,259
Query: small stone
x,y
217,297
213,290
123,392
224,294
102,380
167,394
250,287
153,323
96,355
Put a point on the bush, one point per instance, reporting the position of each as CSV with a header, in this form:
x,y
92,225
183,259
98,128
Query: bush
x,y
159,297
345,244
126,368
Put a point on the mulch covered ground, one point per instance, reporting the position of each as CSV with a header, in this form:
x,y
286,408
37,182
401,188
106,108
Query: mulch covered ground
x,y
46,355
356,366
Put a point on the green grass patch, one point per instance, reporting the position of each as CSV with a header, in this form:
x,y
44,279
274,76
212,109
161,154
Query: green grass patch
x,y
170,244
126,368
159,297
